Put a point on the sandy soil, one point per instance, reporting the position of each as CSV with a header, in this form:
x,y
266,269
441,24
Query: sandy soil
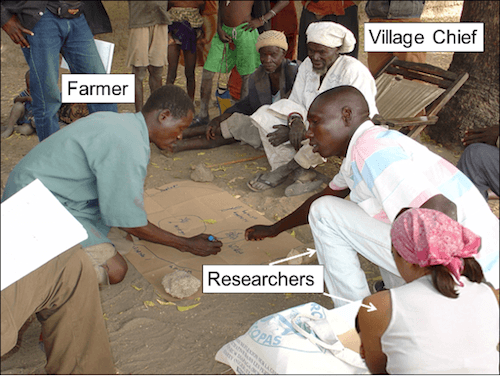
x,y
162,339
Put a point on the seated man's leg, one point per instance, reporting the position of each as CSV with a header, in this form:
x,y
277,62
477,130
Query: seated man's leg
x,y
81,53
197,143
276,155
65,296
341,229
279,157
108,264
16,113
481,164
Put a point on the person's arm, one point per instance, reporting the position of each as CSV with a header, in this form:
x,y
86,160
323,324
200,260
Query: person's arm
x,y
371,327
213,130
487,135
258,22
297,218
198,245
15,30
23,99
223,36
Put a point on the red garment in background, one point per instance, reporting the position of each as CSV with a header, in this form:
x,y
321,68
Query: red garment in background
x,y
323,8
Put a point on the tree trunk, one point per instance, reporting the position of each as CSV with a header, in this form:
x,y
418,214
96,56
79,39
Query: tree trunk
x,y
476,104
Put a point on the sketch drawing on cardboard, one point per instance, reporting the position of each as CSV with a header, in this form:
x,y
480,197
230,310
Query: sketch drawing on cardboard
x,y
188,208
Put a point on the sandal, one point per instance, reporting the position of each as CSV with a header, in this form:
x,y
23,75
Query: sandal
x,y
264,184
299,188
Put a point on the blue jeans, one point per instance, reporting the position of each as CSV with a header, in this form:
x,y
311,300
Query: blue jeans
x,y
72,38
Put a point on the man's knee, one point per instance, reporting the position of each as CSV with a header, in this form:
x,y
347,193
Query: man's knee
x,y
156,72
18,107
207,75
471,158
139,72
116,268
317,206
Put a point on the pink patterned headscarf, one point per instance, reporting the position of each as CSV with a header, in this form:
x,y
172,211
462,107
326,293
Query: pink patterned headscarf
x,y
428,237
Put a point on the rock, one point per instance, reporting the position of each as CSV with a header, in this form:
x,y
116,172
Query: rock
x,y
202,174
180,284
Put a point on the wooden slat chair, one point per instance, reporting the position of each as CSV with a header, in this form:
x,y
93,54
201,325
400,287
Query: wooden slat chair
x,y
406,89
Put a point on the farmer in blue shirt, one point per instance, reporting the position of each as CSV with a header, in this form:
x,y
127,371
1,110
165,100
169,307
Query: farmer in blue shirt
x,y
96,168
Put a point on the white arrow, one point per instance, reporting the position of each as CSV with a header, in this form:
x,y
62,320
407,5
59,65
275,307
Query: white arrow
x,y
309,253
370,307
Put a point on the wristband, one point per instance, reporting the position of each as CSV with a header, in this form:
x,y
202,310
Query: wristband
x,y
273,12
292,117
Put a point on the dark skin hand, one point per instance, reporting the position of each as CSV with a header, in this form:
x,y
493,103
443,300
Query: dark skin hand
x,y
483,135
297,133
16,31
23,99
280,136
213,128
255,23
198,245
297,218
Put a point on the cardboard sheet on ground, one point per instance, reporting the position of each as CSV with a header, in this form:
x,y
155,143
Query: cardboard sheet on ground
x,y
188,208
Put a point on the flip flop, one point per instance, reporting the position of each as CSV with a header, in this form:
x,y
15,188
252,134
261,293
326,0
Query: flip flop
x,y
299,188
269,185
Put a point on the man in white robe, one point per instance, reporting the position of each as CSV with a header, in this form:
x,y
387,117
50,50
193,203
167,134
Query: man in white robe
x,y
283,124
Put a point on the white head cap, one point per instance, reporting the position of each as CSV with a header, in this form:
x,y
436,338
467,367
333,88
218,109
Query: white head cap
x,y
332,35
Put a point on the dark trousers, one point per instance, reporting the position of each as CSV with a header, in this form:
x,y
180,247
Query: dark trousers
x,y
480,163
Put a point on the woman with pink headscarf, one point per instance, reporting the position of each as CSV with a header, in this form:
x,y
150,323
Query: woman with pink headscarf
x,y
444,320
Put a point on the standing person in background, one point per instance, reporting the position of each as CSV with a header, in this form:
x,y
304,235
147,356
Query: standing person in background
x,y
341,12
147,44
44,29
393,11
185,30
237,28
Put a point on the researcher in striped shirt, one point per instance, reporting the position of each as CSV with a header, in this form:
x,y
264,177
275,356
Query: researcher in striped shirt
x,y
383,172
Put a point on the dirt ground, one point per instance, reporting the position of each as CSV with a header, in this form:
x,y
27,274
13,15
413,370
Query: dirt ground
x,y
162,339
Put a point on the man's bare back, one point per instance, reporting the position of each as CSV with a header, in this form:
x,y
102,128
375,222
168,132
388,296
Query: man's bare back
x,y
236,12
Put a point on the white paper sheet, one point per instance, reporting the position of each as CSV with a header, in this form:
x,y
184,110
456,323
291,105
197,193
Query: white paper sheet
x,y
35,228
105,50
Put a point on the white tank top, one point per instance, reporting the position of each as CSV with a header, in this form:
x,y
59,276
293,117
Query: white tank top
x,y
430,333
